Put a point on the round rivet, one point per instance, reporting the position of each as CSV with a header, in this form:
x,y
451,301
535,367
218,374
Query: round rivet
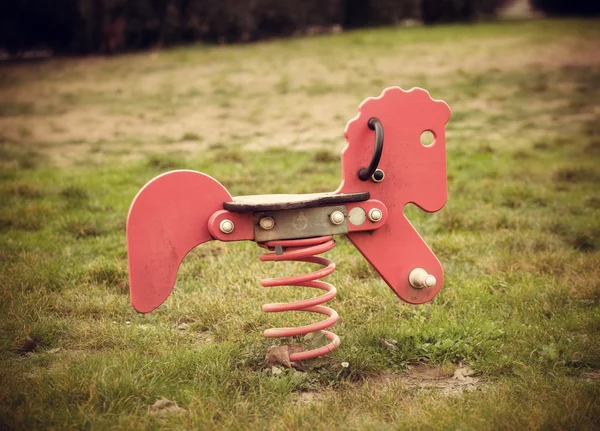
x,y
419,278
337,217
267,223
378,176
357,216
226,226
375,215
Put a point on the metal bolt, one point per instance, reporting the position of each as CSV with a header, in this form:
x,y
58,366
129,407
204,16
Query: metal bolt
x,y
267,223
430,281
337,217
226,226
375,215
419,279
378,176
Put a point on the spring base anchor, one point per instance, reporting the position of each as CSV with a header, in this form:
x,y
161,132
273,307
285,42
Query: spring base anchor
x,y
304,250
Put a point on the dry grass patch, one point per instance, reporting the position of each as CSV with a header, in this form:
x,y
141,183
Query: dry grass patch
x,y
218,94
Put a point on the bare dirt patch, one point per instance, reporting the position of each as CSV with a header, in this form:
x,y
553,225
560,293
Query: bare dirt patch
x,y
255,96
592,375
165,407
311,397
422,376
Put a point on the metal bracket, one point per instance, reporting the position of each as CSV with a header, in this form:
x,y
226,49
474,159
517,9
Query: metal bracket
x,y
300,223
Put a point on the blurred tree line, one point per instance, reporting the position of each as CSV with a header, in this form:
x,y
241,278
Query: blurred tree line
x,y
568,7
85,26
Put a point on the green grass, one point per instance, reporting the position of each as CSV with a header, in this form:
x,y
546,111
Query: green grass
x,y
519,238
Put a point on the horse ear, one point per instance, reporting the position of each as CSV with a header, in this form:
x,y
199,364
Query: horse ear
x,y
168,218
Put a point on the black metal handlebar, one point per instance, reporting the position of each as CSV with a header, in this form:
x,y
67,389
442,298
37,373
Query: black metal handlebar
x,y
365,173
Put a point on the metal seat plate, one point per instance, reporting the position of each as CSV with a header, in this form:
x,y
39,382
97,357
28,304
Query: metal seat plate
x,y
254,203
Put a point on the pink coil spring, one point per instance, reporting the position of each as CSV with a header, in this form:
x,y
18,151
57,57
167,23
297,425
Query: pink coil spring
x,y
304,250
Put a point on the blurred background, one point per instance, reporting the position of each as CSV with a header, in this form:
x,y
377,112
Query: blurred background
x,y
99,96
110,26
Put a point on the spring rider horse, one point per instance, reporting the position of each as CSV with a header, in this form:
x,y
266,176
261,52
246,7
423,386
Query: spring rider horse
x,y
178,210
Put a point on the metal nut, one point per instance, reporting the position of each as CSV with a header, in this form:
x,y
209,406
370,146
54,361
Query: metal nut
x,y
337,217
267,223
375,215
226,226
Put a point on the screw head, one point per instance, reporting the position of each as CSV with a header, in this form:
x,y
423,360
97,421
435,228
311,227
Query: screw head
x,y
378,176
375,215
226,226
267,223
337,217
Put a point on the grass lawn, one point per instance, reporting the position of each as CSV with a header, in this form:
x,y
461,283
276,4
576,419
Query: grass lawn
x,y
511,342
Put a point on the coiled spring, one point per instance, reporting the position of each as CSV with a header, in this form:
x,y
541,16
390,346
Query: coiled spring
x,y
304,250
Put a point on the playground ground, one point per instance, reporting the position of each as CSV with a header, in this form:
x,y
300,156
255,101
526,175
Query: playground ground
x,y
512,340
